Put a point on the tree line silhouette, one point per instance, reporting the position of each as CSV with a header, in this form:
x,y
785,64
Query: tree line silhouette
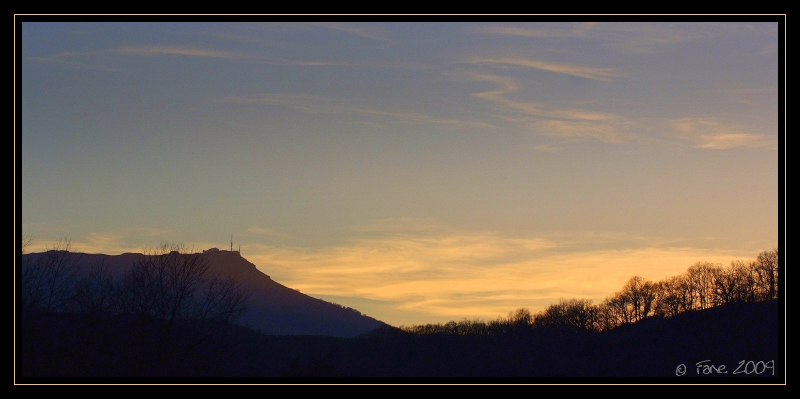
x,y
702,286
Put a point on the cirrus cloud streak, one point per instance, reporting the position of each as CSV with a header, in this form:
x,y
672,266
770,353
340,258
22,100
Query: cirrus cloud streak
x,y
594,73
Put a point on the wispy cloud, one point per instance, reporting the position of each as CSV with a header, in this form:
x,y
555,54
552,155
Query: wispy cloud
x,y
647,39
75,60
579,130
572,124
548,119
418,118
650,38
211,53
732,140
547,148
711,133
99,60
624,37
545,30
769,90
369,32
261,231
594,73
321,104
179,50
499,96
580,124
752,96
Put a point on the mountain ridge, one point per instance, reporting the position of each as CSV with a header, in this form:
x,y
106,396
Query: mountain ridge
x,y
272,308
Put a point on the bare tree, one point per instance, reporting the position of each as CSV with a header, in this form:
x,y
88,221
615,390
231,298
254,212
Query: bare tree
x,y
26,242
766,273
223,300
171,282
734,284
162,282
747,290
520,317
616,311
48,281
702,277
578,313
95,291
608,316
639,295
673,296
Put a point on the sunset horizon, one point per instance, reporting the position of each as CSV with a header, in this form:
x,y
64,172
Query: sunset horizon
x,y
416,172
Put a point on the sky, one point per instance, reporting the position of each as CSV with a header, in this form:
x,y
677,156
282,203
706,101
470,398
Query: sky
x,y
417,172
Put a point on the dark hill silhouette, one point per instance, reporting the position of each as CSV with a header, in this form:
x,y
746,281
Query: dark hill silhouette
x,y
722,335
746,338
272,309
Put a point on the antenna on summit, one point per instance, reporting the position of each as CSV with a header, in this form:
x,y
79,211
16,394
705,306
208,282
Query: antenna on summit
x,y
231,242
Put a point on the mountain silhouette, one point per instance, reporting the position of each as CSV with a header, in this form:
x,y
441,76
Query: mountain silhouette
x,y
272,307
